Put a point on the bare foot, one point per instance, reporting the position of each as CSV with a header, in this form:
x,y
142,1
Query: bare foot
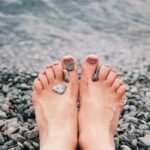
x,y
56,114
101,103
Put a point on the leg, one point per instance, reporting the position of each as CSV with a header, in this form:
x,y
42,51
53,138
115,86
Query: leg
x,y
56,114
100,106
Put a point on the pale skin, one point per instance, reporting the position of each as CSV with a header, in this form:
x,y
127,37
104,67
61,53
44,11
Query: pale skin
x,y
61,126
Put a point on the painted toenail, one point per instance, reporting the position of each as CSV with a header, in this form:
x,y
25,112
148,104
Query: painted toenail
x,y
96,74
92,60
59,88
70,66
66,75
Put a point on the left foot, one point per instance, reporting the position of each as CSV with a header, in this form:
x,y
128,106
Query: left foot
x,y
56,114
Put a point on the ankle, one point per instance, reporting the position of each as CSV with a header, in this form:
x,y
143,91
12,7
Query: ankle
x,y
96,142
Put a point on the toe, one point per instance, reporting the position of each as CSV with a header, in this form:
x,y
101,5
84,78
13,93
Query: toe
x,y
37,85
111,77
49,74
89,66
117,83
121,90
57,68
69,63
104,71
44,80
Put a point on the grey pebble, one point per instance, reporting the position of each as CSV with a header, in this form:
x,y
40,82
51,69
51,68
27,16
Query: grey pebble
x,y
145,140
23,86
28,145
32,134
17,138
5,89
125,147
2,115
2,141
59,88
2,123
70,66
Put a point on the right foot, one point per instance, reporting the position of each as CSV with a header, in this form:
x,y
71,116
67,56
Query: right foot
x,y
101,103
56,114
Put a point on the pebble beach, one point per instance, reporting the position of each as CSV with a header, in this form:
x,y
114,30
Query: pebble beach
x,y
36,33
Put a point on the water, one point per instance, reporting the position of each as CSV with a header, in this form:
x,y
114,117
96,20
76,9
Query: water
x,y
36,32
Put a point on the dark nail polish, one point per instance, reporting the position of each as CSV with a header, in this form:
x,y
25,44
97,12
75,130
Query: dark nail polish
x,y
92,61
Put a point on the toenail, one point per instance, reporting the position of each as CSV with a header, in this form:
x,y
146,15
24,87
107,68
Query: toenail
x,y
68,60
92,60
70,66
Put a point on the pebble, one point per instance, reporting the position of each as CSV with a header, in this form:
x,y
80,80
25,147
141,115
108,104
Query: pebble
x,y
2,141
23,86
145,140
59,88
5,89
18,138
2,115
125,147
2,123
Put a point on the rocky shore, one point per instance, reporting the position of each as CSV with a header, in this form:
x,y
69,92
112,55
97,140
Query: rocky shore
x,y
18,129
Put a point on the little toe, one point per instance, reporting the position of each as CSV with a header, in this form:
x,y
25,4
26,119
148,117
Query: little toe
x,y
111,77
117,83
121,91
89,67
50,74
58,71
104,71
69,64
37,85
44,80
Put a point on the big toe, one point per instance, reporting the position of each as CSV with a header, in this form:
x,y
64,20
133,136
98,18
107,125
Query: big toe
x,y
70,68
89,66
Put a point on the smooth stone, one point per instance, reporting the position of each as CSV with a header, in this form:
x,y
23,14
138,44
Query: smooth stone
x,y
5,108
70,66
59,88
32,134
66,75
2,115
17,138
2,123
132,120
2,141
23,86
5,89
36,145
145,140
134,143
96,74
125,147
10,143
28,145
11,130
20,145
